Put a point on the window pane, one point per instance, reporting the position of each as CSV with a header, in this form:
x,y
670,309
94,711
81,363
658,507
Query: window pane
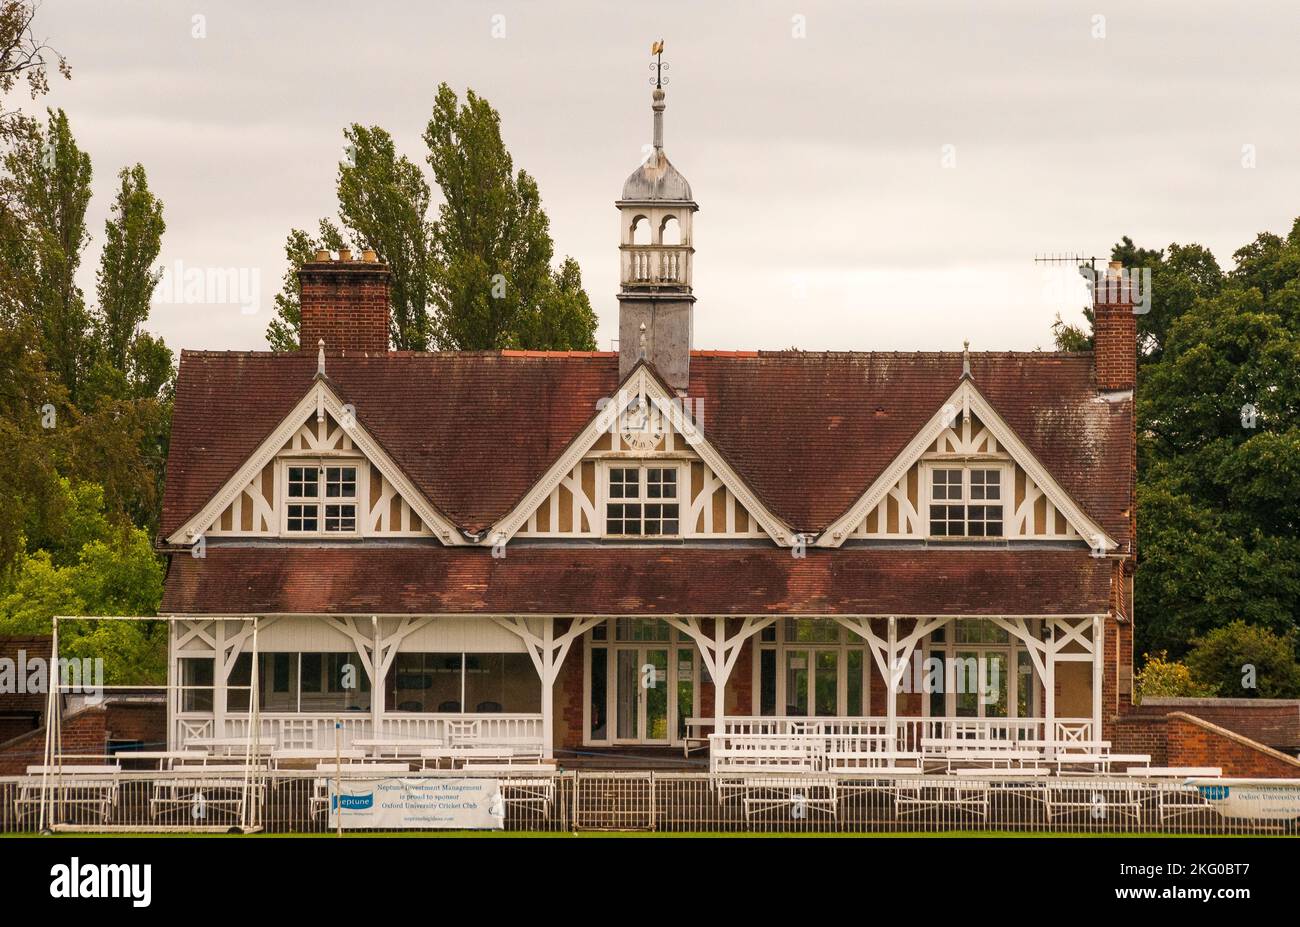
x,y
501,682
685,688
853,683
334,682
599,692
197,671
641,629
427,682
767,682
796,683
994,696
935,677
966,683
826,683
812,630
1024,685
277,681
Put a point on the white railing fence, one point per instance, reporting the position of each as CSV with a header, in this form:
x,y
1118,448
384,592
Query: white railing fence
x,y
316,731
294,801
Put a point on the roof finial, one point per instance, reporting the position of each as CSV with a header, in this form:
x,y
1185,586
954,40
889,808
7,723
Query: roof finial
x,y
320,357
657,104
642,345
965,358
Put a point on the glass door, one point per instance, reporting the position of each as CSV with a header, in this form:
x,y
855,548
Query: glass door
x,y
641,695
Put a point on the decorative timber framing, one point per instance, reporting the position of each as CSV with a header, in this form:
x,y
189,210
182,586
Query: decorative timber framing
x,y
639,385
720,652
548,652
965,401
321,400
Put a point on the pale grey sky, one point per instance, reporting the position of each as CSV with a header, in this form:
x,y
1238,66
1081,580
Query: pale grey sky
x,y
828,219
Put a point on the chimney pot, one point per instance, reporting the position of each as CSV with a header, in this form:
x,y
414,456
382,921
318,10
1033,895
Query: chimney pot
x,y
369,256
345,303
322,255
345,254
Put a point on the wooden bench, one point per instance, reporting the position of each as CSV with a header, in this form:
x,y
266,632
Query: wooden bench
x,y
221,787
1173,772
765,753
91,789
504,754
1028,772
991,758
1063,797
918,795
279,757
893,760
397,747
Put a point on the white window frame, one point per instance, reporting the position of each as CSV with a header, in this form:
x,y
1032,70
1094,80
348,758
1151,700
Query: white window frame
x,y
1013,647
845,642
283,500
1006,475
643,465
677,643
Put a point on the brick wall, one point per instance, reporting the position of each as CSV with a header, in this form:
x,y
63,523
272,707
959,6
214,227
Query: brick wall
x,y
84,732
1138,734
1191,741
345,304
1273,722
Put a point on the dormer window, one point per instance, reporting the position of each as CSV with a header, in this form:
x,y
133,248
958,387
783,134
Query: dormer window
x,y
966,502
641,501
320,499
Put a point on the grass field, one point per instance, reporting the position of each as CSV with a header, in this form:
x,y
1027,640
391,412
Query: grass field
x,y
505,835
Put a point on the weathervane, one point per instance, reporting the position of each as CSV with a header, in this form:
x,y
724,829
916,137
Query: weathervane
x,y
658,66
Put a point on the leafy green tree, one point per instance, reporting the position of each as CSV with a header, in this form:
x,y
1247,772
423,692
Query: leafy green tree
x,y
1243,660
127,276
93,567
491,241
299,248
23,59
1180,274
383,203
1161,677
47,186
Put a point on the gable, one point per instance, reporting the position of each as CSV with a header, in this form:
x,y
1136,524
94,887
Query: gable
x,y
966,432
642,425
351,478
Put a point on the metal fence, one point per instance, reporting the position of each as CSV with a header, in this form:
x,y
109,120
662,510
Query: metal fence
x,y
292,801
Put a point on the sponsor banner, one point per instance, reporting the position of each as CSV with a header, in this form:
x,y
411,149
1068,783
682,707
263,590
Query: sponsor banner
x,y
418,804
1253,799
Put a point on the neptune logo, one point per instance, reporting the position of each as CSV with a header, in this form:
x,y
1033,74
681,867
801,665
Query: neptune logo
x,y
354,802
1213,792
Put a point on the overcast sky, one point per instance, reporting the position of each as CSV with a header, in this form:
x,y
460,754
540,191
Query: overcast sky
x,y
828,219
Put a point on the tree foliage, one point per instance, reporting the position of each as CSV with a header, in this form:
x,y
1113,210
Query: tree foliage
x,y
1161,677
1218,406
1245,661
24,58
479,276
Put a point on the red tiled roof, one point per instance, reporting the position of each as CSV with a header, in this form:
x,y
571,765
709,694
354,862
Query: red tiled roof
x,y
408,578
809,432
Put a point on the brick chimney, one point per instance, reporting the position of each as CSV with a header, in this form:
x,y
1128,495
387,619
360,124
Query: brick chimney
x,y
1114,330
344,303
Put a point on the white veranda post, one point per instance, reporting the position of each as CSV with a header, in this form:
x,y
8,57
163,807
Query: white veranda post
x,y
720,652
547,651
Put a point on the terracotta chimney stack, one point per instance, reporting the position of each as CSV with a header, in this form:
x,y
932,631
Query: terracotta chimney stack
x,y
345,304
